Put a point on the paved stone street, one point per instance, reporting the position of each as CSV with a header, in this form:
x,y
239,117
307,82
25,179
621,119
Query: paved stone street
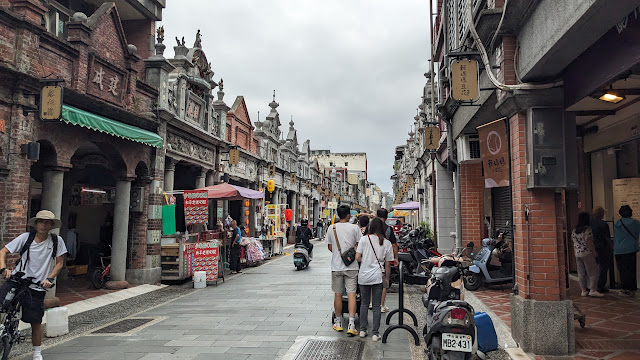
x,y
265,313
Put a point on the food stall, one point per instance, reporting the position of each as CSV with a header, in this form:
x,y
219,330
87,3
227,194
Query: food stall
x,y
201,249
276,227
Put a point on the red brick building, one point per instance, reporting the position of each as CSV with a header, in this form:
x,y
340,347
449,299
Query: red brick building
x,y
239,127
97,164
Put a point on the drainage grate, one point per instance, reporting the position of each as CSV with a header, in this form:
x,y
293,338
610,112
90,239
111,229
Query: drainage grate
x,y
123,326
330,350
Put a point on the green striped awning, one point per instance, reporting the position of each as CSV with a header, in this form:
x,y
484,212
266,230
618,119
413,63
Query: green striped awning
x,y
75,116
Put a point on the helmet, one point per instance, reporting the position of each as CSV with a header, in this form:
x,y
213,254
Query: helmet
x,y
304,222
413,233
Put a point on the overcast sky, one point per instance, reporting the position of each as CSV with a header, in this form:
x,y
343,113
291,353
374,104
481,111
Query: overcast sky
x,y
349,71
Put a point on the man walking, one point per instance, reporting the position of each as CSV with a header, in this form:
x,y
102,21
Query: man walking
x,y
319,228
603,245
342,236
41,258
383,214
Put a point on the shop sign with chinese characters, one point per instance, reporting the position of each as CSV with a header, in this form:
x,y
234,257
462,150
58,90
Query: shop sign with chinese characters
x,y
206,259
431,138
196,210
51,103
465,84
106,83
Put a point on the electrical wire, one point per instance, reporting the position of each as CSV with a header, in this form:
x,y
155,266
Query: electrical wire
x,y
495,35
485,59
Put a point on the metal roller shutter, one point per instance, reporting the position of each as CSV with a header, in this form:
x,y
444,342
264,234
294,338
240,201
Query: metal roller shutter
x,y
501,208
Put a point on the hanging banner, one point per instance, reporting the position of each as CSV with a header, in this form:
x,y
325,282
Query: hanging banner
x,y
494,149
326,213
206,259
196,210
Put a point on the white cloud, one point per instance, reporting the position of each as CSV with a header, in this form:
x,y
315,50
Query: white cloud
x,y
349,71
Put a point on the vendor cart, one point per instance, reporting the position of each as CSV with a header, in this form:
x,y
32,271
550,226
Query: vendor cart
x,y
274,240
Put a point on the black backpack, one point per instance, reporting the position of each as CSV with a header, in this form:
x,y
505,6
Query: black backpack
x,y
27,246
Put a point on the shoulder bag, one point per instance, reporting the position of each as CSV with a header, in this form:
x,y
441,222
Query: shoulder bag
x,y
385,280
349,256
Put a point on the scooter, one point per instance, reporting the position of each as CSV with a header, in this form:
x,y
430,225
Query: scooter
x,y
450,330
482,271
301,256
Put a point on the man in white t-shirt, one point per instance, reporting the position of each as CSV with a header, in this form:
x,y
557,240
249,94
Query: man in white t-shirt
x,y
39,262
343,276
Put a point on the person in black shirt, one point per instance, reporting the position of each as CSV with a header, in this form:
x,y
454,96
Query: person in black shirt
x,y
603,245
389,234
303,234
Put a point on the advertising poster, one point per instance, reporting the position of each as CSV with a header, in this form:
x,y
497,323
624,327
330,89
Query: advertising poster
x,y
196,209
206,259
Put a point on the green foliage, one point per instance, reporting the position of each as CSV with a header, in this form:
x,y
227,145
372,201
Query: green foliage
x,y
427,229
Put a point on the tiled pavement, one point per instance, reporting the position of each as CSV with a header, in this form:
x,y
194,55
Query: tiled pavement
x,y
258,314
613,323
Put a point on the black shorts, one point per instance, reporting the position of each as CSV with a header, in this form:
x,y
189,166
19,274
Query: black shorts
x,y
32,303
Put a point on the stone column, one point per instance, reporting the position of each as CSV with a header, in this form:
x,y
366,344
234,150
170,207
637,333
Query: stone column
x,y
210,180
201,179
52,189
120,230
169,174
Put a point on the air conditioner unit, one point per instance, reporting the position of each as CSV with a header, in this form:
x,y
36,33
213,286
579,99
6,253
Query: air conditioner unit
x,y
468,149
137,200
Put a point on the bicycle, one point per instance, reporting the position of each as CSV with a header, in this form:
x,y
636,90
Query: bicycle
x,y
101,275
11,310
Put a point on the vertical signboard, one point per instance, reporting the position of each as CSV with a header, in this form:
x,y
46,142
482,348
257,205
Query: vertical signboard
x,y
431,138
494,150
465,85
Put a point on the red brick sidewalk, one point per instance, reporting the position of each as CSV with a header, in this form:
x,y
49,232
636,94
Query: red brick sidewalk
x,y
77,290
613,323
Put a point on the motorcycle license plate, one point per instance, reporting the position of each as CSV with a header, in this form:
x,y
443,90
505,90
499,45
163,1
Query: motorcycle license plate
x,y
456,342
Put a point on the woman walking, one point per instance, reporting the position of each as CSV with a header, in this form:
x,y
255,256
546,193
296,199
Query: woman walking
x,y
582,237
375,255
625,247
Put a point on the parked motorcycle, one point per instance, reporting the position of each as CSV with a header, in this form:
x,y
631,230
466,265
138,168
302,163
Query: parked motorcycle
x,y
482,271
450,331
416,250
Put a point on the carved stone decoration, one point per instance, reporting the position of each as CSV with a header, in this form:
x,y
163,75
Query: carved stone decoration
x,y
185,147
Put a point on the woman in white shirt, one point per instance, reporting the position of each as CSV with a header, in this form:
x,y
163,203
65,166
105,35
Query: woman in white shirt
x,y
375,255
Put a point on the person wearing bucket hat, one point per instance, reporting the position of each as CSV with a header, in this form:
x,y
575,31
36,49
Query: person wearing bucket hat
x,y
41,257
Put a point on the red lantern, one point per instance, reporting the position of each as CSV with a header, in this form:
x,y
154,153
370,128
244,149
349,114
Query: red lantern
x,y
246,212
288,215
247,203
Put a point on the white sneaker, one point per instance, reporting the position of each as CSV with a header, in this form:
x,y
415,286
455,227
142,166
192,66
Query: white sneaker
x,y
351,330
376,338
37,357
584,293
384,309
595,293
370,306
363,333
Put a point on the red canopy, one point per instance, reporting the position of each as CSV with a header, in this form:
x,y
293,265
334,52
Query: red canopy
x,y
226,191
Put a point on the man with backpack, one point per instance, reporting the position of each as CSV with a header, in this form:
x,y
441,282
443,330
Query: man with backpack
x,y
41,257
303,235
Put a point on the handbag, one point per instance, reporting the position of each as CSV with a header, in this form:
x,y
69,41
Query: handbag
x,y
385,280
349,256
